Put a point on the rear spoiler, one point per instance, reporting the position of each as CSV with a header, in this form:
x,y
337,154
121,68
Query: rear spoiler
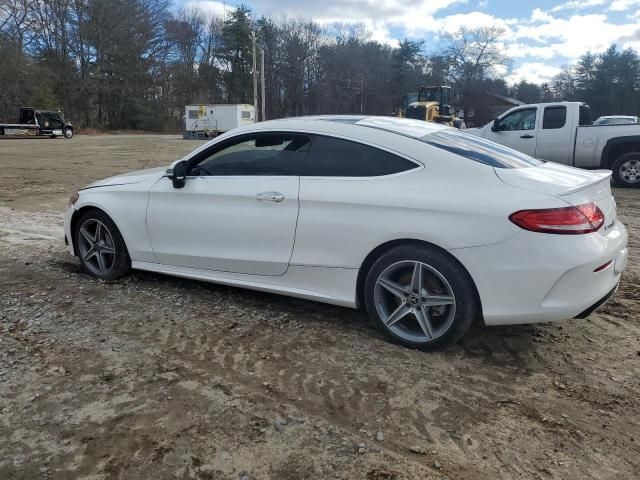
x,y
600,176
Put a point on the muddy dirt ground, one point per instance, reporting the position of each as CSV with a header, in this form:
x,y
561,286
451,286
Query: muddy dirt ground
x,y
153,377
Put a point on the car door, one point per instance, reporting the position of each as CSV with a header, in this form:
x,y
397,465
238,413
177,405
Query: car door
x,y
347,190
516,130
556,135
238,209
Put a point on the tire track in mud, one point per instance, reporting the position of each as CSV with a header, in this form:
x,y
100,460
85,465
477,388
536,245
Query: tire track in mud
x,y
291,368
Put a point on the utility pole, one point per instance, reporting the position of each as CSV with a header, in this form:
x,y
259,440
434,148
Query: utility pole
x,y
264,111
255,75
361,92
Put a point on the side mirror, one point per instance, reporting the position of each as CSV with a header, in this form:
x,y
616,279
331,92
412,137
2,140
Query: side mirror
x,y
178,174
495,126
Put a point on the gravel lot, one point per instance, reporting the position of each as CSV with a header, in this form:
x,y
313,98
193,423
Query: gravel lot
x,y
153,377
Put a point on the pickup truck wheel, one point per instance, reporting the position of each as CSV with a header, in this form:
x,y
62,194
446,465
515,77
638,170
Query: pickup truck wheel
x,y
626,170
68,132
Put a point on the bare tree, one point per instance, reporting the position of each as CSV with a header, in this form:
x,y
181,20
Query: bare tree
x,y
474,56
475,53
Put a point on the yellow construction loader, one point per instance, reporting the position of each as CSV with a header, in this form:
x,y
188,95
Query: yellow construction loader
x,y
432,105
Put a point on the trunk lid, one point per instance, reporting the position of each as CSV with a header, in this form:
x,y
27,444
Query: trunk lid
x,y
573,185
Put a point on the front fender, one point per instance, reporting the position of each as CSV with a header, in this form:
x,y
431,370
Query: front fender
x,y
126,206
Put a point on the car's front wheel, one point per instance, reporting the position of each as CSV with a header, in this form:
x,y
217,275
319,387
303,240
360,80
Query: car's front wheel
x,y
100,246
420,297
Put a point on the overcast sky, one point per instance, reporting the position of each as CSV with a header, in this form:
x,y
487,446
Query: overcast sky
x,y
541,36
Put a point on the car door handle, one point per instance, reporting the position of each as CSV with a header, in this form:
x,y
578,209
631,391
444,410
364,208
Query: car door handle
x,y
270,197
526,136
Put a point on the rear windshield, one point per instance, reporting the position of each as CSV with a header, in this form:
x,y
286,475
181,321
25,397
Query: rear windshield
x,y
479,150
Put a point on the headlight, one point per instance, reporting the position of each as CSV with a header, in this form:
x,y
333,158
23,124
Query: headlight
x,y
74,198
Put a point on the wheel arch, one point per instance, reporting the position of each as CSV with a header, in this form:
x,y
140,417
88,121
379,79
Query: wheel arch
x,y
618,146
78,213
380,250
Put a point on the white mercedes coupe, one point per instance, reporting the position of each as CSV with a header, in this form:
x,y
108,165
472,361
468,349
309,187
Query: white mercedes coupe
x,y
425,226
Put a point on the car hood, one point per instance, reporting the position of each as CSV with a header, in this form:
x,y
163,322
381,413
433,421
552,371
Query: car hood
x,y
128,178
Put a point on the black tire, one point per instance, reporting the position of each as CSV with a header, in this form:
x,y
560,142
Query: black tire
x,y
626,170
460,314
118,263
68,133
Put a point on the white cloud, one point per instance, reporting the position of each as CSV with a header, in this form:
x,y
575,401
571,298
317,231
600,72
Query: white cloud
x,y
381,34
577,5
534,72
451,23
540,16
482,4
354,10
572,37
623,5
210,7
519,50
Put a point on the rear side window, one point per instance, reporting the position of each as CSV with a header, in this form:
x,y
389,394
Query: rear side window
x,y
334,157
585,116
479,150
554,117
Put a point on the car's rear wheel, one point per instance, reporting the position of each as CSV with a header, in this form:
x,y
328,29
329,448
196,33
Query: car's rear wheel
x,y
420,297
626,170
100,246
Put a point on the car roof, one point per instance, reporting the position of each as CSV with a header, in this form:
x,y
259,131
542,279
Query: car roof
x,y
337,123
617,116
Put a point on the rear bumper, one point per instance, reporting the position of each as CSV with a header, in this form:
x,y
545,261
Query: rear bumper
x,y
541,278
598,304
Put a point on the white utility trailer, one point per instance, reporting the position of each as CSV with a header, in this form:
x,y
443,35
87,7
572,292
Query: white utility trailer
x,y
204,121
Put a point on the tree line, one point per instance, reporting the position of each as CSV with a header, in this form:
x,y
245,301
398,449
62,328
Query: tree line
x,y
134,64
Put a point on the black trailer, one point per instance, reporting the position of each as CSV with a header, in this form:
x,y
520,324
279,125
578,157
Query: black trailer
x,y
38,123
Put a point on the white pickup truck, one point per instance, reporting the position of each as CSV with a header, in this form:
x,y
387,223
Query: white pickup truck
x,y
562,132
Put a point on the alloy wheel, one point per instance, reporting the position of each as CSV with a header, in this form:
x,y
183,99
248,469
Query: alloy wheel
x,y
96,247
414,301
630,171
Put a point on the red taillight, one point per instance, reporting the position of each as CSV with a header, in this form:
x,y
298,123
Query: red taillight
x,y
576,220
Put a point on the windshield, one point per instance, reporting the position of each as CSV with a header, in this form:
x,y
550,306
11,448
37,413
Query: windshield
x,y
479,150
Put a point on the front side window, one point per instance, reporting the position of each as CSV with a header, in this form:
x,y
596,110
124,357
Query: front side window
x,y
554,117
519,120
255,154
335,157
49,120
